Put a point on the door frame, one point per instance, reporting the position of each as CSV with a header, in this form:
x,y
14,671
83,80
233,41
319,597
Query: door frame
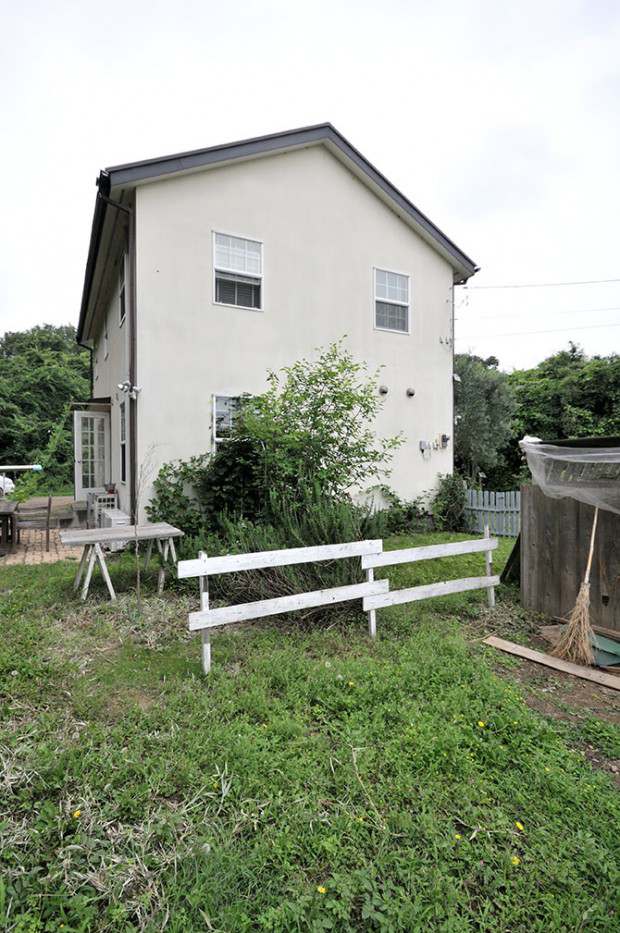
x,y
81,491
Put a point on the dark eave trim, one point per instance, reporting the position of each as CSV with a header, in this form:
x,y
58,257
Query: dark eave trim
x,y
134,172
103,185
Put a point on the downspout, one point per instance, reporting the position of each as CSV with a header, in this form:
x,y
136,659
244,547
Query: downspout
x,y
133,420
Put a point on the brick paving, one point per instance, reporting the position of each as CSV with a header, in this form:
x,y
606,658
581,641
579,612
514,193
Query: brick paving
x,y
31,549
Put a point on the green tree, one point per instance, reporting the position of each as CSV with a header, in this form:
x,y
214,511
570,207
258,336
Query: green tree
x,y
484,407
312,427
569,395
41,371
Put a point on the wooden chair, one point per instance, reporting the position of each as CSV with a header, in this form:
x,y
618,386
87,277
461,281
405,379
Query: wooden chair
x,y
35,516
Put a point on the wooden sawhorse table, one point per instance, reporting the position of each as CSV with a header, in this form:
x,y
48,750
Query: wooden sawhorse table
x,y
93,540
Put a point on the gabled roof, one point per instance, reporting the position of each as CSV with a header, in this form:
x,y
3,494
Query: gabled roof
x,y
132,174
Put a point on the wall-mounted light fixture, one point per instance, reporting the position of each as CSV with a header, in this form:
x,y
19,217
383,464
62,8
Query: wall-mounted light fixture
x,y
456,377
444,440
132,391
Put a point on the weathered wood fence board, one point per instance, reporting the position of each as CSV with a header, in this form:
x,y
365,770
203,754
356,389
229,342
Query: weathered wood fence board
x,y
430,590
273,607
408,555
374,593
259,560
555,538
501,511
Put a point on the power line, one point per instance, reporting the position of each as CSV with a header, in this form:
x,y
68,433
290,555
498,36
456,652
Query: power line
x,y
486,317
523,333
545,284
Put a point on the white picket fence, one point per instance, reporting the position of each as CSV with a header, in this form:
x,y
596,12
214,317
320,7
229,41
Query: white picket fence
x,y
501,511
374,593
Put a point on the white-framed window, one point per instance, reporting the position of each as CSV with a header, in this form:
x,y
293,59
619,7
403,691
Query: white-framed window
x,y
123,443
122,310
391,301
237,271
225,408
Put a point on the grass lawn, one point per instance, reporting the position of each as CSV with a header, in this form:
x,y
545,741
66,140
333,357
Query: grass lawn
x,y
316,780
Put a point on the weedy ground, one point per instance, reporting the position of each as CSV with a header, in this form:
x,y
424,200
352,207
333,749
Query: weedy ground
x,y
316,780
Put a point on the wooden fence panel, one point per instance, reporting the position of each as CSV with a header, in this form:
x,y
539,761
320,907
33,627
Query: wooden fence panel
x,y
375,593
501,511
555,538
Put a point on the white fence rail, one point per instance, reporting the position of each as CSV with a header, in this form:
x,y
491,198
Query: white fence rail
x,y
374,593
501,511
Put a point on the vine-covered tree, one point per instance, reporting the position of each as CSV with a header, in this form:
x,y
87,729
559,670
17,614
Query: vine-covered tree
x,y
41,371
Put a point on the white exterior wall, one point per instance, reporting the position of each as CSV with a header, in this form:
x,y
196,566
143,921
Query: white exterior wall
x,y
323,232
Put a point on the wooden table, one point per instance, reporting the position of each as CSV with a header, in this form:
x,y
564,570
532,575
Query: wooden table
x,y
93,539
8,520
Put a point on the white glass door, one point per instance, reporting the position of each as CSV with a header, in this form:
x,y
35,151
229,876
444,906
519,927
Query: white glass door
x,y
91,445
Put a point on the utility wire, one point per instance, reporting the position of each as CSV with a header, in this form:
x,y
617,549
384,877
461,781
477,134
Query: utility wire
x,y
545,284
523,333
486,317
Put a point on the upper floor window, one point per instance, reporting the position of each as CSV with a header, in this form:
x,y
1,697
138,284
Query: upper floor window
x,y
121,291
391,301
238,271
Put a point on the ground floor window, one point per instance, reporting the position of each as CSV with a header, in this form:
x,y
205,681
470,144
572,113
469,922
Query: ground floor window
x,y
225,409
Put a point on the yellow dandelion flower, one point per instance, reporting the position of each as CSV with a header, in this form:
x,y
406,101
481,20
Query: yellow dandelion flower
x,y
515,859
320,889
547,769
350,683
481,724
264,725
77,814
457,835
519,825
361,819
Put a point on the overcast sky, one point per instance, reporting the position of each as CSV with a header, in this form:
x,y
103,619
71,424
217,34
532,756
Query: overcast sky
x,y
499,120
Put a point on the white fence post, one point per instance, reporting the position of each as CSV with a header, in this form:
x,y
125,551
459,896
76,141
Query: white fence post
x,y
489,564
204,606
372,614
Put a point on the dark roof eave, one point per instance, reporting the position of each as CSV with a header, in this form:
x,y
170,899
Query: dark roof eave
x,y
134,172
103,186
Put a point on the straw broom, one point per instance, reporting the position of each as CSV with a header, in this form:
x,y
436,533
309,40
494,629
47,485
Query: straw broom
x,y
574,643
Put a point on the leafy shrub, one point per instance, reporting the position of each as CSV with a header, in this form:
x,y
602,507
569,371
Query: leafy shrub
x,y
312,425
175,500
448,503
230,483
402,517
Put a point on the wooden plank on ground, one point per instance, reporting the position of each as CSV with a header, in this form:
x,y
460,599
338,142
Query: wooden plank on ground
x,y
271,607
408,555
231,563
586,673
397,597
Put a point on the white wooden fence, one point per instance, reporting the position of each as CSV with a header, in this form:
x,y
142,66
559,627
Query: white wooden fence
x,y
374,593
501,511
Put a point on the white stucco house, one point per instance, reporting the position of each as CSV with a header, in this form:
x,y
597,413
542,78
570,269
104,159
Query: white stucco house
x,y
207,268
